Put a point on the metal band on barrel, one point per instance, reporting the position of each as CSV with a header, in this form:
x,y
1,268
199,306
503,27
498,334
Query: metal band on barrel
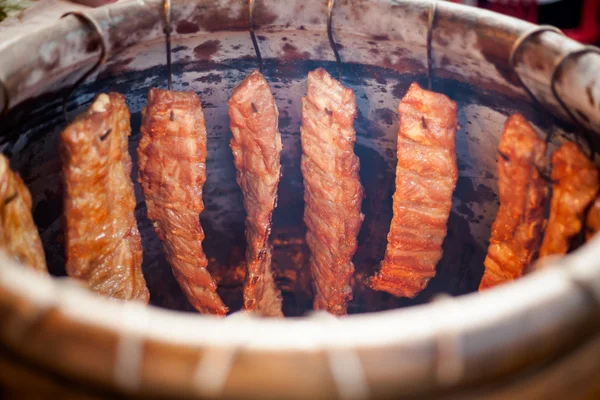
x,y
345,365
215,364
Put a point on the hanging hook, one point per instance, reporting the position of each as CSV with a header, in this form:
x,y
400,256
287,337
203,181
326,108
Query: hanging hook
x,y
6,96
338,60
553,78
167,31
430,22
253,35
543,174
103,46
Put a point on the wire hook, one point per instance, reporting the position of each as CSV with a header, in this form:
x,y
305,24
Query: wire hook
x,y
103,46
338,60
553,78
6,95
167,31
253,35
543,174
430,22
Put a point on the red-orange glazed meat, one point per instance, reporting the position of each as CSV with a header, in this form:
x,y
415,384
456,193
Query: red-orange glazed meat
x,y
576,187
426,175
516,232
592,221
256,147
102,240
332,190
172,172
19,236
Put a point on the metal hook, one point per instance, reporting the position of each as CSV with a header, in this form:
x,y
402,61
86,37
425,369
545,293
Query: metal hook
x,y
338,60
345,365
92,23
6,99
553,78
253,35
430,22
543,174
167,31
216,363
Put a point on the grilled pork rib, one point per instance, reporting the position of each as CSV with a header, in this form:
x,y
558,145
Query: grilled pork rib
x,y
19,236
516,232
426,175
172,172
102,240
576,187
256,147
332,190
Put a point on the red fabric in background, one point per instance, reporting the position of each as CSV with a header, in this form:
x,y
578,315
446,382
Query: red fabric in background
x,y
522,9
588,30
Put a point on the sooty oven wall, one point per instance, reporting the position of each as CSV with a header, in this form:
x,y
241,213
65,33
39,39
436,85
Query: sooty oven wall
x,y
378,91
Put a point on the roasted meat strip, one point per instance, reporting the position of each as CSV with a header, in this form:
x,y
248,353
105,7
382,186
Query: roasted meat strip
x,y
426,175
103,245
516,232
332,190
256,147
576,187
172,172
19,236
592,221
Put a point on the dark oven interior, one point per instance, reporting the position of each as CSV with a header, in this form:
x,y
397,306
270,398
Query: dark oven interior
x,y
212,65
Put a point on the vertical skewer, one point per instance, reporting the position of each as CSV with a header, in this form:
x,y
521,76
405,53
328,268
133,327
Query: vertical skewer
x,y
253,35
338,60
6,98
167,31
430,22
103,46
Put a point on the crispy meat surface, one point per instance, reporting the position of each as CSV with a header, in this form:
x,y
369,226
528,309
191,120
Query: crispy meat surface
x,y
426,175
592,221
332,190
172,172
576,187
256,147
19,236
516,232
102,241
